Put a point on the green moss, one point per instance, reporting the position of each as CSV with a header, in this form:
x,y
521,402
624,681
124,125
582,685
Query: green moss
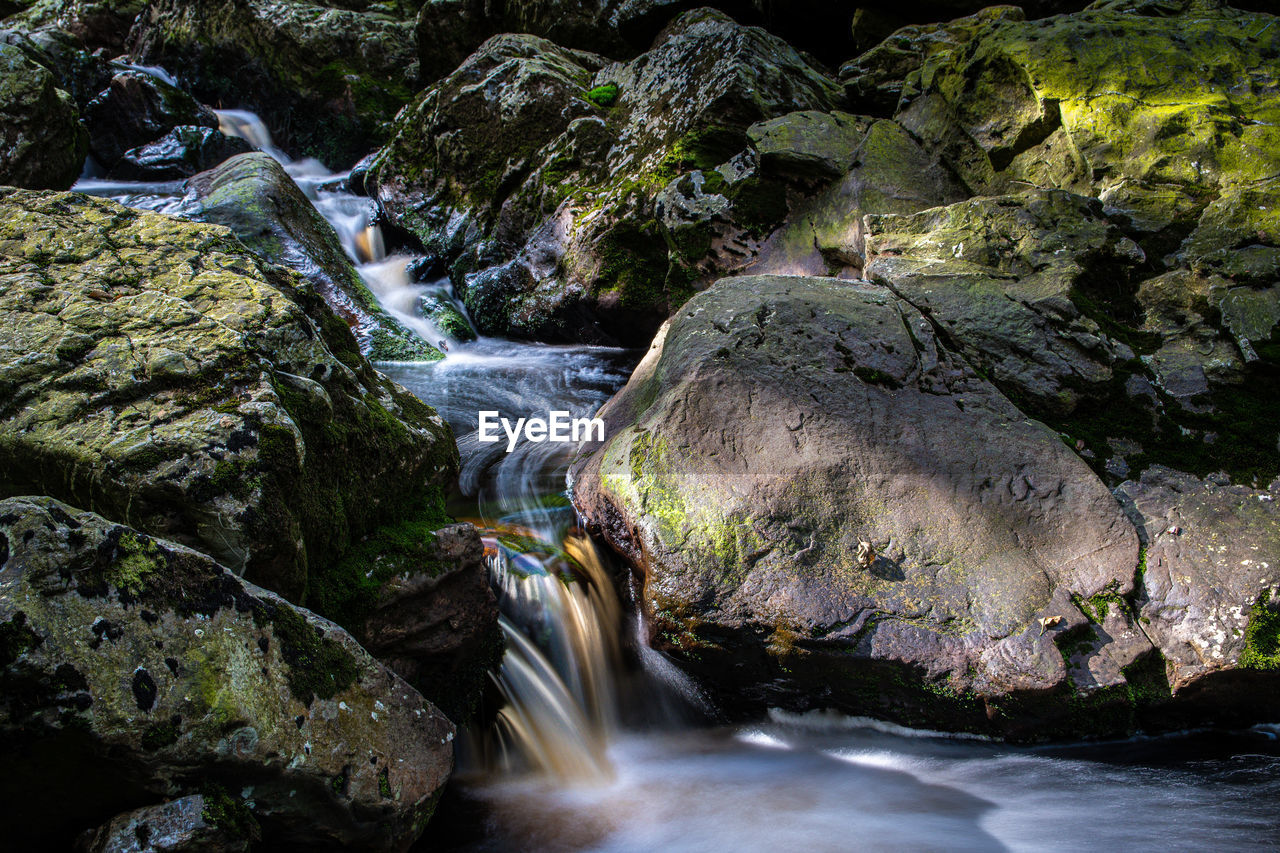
x,y
137,557
16,639
318,665
347,591
384,784
603,96
1097,606
228,813
1262,637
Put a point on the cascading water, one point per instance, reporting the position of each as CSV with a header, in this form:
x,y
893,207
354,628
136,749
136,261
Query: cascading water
x,y
561,769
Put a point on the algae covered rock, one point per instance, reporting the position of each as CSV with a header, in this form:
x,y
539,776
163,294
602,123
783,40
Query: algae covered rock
x,y
93,23
571,198
159,373
839,418
162,674
135,109
327,78
42,143
253,196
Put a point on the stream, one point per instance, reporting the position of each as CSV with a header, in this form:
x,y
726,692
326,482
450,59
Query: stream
x,y
601,744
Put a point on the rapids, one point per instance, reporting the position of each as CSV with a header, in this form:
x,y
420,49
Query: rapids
x,y
602,743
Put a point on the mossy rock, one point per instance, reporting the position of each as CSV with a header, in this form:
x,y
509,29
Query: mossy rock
x,y
544,200
166,675
254,196
325,79
214,397
42,143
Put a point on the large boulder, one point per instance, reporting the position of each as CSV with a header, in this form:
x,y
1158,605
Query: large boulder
x,y
136,670
135,109
42,143
93,23
159,373
78,72
840,418
254,196
569,197
324,79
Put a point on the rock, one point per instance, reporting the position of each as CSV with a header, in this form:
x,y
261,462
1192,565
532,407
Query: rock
x,y
808,144
136,109
93,23
178,826
253,196
161,671
1209,596
323,79
447,318
562,219
839,416
42,143
825,234
425,609
1048,102
181,153
159,373
1007,280
80,73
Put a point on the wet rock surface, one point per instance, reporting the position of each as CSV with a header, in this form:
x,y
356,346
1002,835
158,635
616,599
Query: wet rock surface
x,y
254,197
158,672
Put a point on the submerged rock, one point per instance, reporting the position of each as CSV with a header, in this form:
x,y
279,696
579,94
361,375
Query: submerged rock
x,y
576,200
840,417
253,196
328,77
162,674
159,373
136,109
42,143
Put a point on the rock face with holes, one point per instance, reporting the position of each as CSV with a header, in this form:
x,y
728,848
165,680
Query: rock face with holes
x,y
135,670
255,197
576,199
838,416
162,375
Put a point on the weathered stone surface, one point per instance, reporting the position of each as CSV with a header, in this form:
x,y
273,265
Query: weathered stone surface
x,y
178,826
825,234
76,71
1210,594
572,200
253,196
180,153
136,109
93,23
42,143
162,375
160,672
837,416
1003,276
324,79
429,614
